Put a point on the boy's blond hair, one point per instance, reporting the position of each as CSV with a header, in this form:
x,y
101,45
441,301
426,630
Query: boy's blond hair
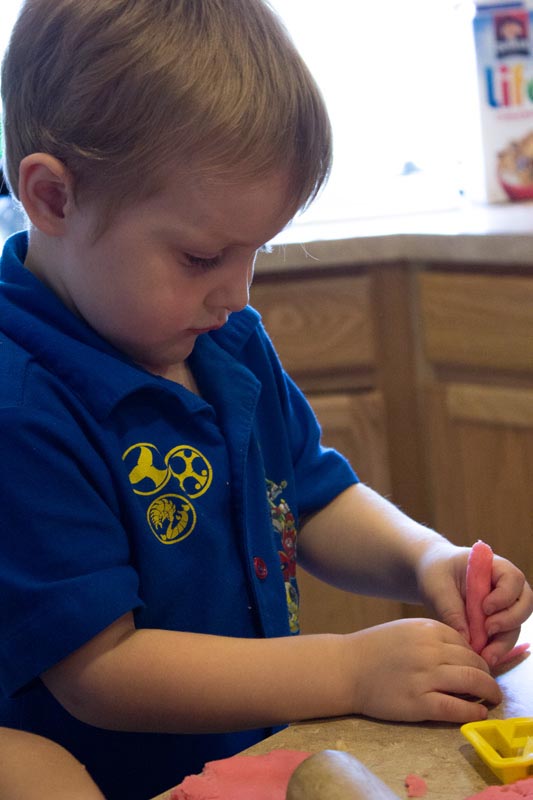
x,y
120,89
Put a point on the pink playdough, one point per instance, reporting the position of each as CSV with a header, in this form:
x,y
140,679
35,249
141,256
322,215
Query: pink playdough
x,y
512,791
478,586
514,653
242,777
416,786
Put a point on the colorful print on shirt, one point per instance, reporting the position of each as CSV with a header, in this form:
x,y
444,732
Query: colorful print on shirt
x,y
284,524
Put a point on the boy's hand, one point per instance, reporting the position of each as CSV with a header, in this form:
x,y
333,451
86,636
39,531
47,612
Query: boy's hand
x,y
415,669
442,578
508,605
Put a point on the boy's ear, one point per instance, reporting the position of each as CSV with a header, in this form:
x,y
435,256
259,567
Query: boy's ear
x,y
46,192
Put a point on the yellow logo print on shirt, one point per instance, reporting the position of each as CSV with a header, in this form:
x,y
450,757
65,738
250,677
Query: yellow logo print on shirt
x,y
190,468
171,517
145,474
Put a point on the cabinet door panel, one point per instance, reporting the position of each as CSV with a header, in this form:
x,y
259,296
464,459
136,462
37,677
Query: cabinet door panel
x,y
478,320
320,324
355,425
481,450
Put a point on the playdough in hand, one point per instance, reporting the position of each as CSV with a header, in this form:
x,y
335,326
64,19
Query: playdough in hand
x,y
478,586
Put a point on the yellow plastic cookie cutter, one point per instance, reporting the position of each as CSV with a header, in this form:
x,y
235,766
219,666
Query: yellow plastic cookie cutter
x,y
505,745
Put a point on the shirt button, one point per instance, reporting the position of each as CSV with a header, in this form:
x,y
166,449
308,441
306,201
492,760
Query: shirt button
x,y
261,569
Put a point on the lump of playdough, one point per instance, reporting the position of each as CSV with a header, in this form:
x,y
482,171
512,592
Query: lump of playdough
x,y
242,777
336,775
511,791
478,586
416,786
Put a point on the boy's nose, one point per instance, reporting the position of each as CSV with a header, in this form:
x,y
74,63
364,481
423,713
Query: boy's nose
x,y
234,293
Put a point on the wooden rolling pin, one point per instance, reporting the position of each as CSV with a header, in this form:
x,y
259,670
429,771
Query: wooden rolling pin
x,y
335,775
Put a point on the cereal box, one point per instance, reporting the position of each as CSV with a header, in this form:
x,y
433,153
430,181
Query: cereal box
x,y
503,36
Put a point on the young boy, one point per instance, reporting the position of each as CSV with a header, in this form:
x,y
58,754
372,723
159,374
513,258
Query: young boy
x,y
149,435
34,767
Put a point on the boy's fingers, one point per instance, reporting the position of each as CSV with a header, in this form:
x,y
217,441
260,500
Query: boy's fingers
x,y
507,614
454,617
505,621
460,655
449,708
499,646
468,681
510,588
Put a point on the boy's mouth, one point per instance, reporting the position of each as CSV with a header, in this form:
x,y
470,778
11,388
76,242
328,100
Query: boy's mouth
x,y
198,331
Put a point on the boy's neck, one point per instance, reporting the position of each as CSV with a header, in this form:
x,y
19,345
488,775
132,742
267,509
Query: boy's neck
x,y
179,373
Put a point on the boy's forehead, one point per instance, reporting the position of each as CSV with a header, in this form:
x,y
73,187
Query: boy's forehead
x,y
244,212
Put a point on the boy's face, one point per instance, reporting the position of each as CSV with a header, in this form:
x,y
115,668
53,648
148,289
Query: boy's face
x,y
170,267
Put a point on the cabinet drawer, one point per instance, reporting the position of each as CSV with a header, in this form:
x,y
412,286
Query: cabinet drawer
x,y
318,324
478,320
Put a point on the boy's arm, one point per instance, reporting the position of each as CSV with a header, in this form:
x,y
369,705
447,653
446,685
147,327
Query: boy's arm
x,y
363,543
35,768
166,681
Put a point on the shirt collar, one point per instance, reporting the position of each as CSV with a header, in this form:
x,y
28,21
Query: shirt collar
x,y
34,317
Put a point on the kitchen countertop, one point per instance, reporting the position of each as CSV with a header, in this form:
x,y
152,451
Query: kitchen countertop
x,y
498,235
437,752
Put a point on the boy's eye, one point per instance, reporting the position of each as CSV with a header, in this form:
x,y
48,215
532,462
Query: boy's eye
x,y
203,263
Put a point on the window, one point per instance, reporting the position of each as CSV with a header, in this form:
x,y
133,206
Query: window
x,y
399,82
10,10
398,79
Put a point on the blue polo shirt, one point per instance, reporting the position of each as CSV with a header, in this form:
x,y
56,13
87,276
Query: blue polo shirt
x,y
122,491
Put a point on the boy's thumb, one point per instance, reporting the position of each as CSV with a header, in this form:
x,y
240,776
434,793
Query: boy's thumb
x,y
455,617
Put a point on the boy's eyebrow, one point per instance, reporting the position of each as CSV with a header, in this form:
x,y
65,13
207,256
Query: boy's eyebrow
x,y
186,238
190,240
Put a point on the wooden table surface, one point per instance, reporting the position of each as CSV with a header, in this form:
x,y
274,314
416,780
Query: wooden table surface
x,y
437,752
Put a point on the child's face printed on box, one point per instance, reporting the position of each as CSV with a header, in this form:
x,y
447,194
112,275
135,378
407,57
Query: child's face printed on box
x,y
173,266
511,30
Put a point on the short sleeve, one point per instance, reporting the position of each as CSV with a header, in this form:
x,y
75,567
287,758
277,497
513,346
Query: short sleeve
x,y
321,473
65,562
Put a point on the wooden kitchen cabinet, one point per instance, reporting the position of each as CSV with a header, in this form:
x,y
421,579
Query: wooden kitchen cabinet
x,y
477,339
483,322
481,450
322,327
354,424
421,373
